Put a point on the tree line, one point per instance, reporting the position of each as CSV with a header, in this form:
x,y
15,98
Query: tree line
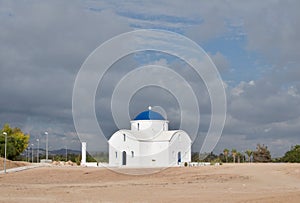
x,y
260,154
17,142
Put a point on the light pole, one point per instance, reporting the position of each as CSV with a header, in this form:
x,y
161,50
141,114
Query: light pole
x,y
66,153
28,151
5,133
31,153
46,133
38,151
26,154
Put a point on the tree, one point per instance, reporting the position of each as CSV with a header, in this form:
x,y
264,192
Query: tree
x,y
226,152
195,157
239,155
262,154
17,141
207,157
293,155
233,152
249,154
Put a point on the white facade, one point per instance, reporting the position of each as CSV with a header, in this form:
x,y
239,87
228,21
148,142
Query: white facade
x,y
149,143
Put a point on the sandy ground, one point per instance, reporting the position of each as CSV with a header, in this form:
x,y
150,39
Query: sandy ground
x,y
226,183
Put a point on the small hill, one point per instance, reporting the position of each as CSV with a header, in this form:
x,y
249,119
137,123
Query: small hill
x,y
12,164
63,152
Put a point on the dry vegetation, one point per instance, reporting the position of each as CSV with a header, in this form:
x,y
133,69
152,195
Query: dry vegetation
x,y
12,164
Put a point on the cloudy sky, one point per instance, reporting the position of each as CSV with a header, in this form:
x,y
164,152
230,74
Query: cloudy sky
x,y
255,46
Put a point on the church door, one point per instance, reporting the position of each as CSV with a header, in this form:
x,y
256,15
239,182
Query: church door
x,y
124,158
179,157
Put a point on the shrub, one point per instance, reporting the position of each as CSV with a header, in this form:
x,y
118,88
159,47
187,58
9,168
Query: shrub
x,y
293,155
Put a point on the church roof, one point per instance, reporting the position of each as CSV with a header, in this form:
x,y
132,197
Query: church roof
x,y
149,115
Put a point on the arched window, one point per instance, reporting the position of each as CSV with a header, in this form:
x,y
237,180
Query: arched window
x,y
116,154
124,137
132,154
179,157
138,126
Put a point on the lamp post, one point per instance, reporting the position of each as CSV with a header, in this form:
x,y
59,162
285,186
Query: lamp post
x,y
5,133
31,153
66,153
46,133
28,154
38,150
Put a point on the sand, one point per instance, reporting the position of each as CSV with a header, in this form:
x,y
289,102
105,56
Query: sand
x,y
225,183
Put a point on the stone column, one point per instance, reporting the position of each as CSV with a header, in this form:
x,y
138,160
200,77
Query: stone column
x,y
83,153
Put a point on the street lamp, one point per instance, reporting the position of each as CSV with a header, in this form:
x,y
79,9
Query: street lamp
x,y
28,151
38,151
46,133
66,153
31,153
5,133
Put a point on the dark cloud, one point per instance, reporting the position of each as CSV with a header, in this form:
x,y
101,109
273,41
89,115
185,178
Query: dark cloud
x,y
43,44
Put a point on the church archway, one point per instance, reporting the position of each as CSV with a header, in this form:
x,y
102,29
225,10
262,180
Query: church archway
x,y
179,157
124,158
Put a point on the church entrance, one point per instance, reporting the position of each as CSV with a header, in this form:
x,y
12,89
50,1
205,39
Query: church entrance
x,y
179,157
124,158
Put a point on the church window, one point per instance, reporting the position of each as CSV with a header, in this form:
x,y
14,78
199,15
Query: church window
x,y
116,154
124,137
132,154
179,158
138,126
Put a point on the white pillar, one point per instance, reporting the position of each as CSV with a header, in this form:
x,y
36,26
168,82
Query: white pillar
x,y
83,153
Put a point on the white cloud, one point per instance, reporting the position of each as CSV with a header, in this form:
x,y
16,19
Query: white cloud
x,y
293,91
221,62
240,88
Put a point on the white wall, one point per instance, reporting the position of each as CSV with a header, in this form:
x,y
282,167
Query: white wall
x,y
148,153
118,145
180,142
154,154
150,125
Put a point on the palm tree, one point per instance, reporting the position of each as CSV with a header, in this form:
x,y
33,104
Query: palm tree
x,y
239,155
226,152
249,153
233,152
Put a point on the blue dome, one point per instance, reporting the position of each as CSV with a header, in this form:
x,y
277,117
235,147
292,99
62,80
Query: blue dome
x,y
149,115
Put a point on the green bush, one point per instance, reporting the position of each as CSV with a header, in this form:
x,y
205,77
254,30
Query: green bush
x,y
17,142
293,155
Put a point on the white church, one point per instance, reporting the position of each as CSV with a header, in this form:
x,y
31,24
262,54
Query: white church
x,y
149,143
